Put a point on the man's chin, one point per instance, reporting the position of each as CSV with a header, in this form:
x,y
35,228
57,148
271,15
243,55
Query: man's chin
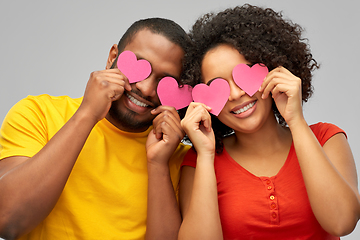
x,y
128,121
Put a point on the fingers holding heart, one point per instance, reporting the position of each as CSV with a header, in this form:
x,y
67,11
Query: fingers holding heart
x,y
197,114
197,125
167,123
118,79
113,87
279,81
166,135
102,89
286,92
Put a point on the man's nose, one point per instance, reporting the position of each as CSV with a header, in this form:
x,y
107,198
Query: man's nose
x,y
148,86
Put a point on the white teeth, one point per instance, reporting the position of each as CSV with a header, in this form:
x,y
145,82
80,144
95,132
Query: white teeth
x,y
244,109
137,102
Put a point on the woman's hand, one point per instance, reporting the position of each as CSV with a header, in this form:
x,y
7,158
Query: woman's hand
x,y
286,92
197,125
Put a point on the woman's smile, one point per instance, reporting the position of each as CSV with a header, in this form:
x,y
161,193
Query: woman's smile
x,y
241,109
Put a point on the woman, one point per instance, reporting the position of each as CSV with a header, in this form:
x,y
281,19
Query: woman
x,y
258,171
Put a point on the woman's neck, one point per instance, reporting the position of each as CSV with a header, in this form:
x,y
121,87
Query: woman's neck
x,y
262,153
270,137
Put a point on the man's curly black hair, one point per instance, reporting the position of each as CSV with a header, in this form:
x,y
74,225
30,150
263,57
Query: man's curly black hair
x,y
261,35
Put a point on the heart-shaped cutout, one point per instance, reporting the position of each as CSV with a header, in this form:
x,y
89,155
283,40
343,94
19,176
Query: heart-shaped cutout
x,y
170,94
248,78
215,96
135,70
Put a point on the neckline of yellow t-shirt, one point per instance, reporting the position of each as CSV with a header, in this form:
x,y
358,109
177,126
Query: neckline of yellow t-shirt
x,y
112,127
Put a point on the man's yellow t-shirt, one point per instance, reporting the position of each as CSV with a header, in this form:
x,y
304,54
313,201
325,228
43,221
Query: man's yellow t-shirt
x,y
105,196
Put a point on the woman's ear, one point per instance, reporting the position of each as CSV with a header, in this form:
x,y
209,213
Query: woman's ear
x,y
112,56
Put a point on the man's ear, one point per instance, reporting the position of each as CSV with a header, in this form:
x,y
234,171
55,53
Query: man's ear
x,y
112,56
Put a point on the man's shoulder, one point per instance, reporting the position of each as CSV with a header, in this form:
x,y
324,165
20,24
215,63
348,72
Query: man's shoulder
x,y
46,102
40,106
48,99
181,150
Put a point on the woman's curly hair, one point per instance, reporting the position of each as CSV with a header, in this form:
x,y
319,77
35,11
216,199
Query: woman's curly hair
x,y
261,36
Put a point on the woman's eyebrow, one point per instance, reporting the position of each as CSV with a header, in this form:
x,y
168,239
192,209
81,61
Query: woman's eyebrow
x,y
209,82
169,75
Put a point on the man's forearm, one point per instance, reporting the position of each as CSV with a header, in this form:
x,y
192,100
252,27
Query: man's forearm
x,y
163,220
30,187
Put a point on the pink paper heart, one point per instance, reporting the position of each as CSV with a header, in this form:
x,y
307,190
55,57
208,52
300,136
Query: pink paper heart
x,y
170,94
215,96
135,70
249,79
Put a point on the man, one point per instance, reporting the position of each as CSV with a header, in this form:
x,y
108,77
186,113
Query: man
x,y
79,169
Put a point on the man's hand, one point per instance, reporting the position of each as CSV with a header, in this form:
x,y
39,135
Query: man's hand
x,y
166,135
102,89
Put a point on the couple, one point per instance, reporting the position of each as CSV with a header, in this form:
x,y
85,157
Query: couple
x,y
107,165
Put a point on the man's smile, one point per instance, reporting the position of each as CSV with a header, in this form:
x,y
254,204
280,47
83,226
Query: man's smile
x,y
135,101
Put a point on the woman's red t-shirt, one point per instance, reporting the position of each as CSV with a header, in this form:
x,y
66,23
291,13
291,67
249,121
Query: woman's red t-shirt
x,y
275,207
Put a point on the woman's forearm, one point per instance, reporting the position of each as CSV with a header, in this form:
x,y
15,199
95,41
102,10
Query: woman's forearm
x,y
329,178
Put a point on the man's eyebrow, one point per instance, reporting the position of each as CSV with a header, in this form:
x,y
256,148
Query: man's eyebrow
x,y
139,57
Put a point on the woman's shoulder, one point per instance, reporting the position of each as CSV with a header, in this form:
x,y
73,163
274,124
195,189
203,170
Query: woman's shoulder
x,y
324,130
190,158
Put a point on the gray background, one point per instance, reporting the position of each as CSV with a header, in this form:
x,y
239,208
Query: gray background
x,y
52,47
